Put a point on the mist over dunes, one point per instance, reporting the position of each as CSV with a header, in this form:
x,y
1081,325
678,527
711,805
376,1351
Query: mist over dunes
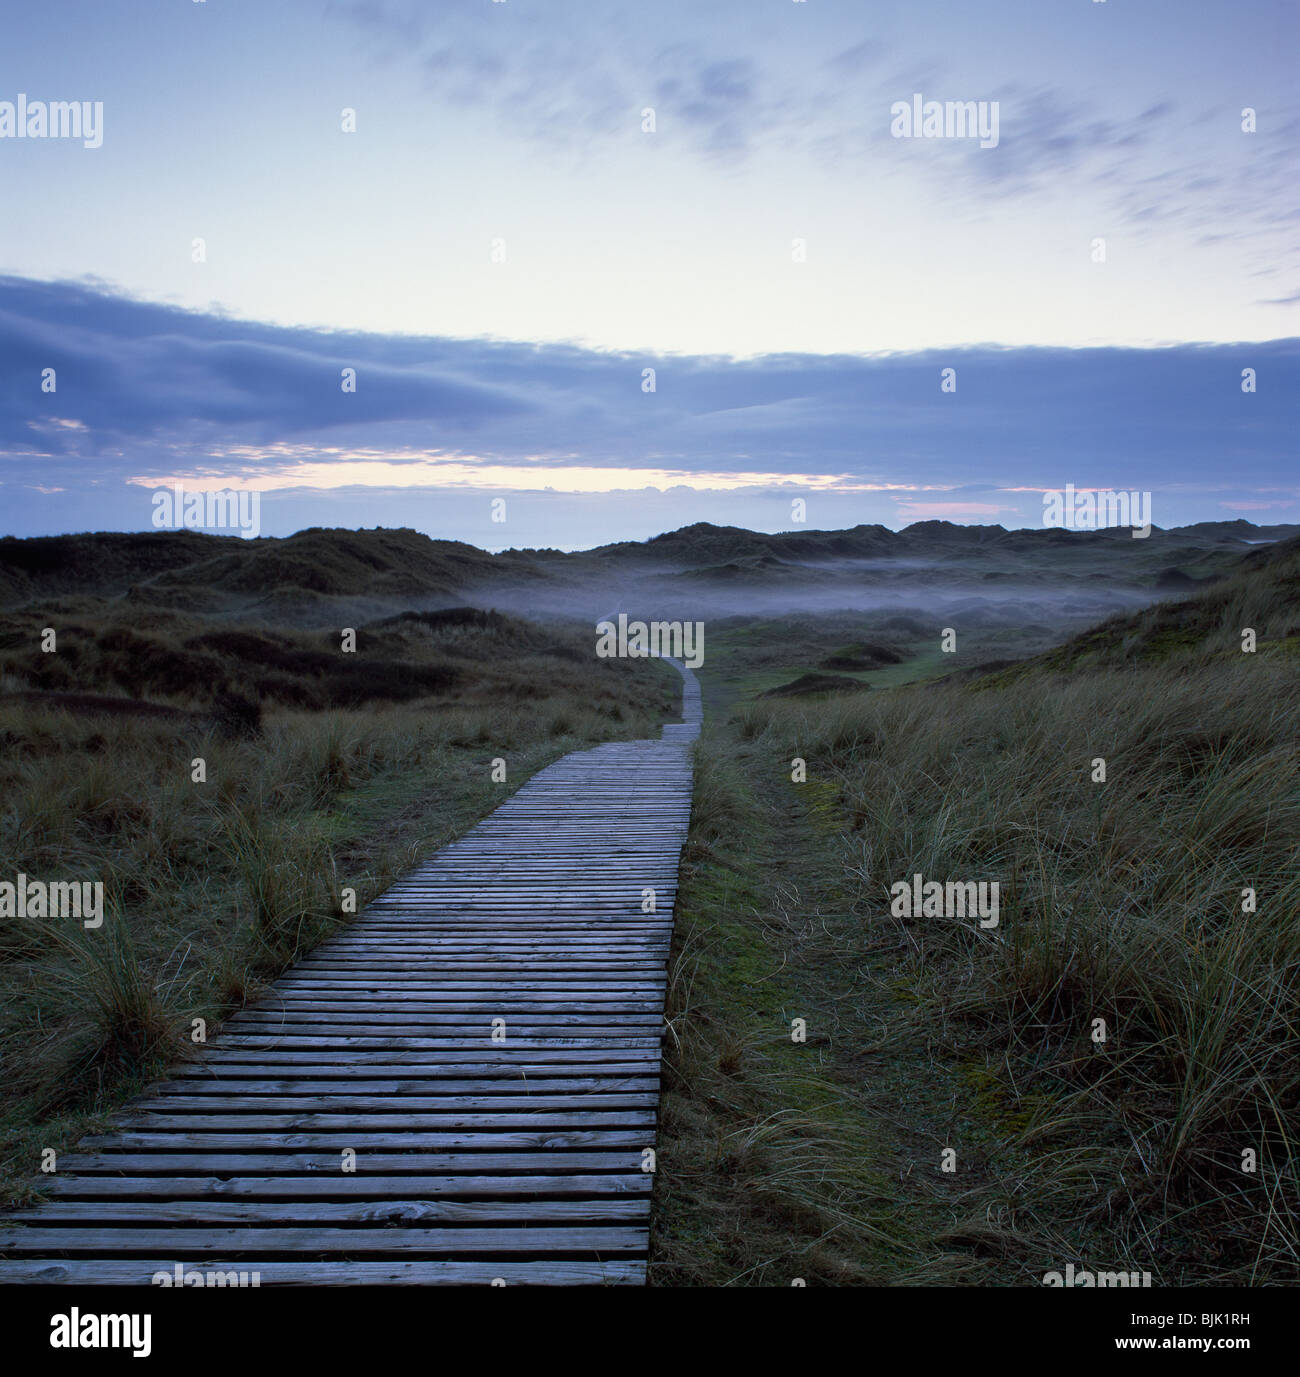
x,y
312,577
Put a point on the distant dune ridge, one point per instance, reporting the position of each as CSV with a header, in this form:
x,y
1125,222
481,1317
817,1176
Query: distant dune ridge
x,y
308,578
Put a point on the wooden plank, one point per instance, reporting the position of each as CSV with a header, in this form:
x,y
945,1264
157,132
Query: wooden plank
x,y
551,1272
360,1186
267,1213
157,1105
395,1141
320,1042
217,1069
505,1055
402,1121
417,1010
399,1024
428,1078
559,1160
481,1091
534,1240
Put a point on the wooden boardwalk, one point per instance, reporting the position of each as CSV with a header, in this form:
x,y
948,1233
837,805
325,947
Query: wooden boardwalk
x,y
485,1038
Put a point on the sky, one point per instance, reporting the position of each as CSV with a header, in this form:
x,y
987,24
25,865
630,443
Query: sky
x,y
502,213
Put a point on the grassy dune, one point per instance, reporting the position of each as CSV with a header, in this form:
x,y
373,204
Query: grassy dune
x,y
1120,901
325,772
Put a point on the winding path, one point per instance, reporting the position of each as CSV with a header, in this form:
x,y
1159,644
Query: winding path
x,y
485,1038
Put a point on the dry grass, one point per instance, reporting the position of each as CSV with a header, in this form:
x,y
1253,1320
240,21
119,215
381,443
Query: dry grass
x,y
1120,901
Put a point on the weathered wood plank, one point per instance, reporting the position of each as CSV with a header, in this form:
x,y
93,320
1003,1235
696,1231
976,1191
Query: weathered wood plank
x,y
266,1213
353,1105
360,1186
396,1141
180,1161
488,1091
551,1272
403,1121
393,1066
534,1241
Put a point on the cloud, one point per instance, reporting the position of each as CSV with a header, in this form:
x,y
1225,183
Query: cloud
x,y
149,392
1049,139
717,99
852,62
729,93
139,370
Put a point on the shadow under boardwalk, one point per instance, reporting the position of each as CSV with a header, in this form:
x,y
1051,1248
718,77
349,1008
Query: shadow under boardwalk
x,y
458,1088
